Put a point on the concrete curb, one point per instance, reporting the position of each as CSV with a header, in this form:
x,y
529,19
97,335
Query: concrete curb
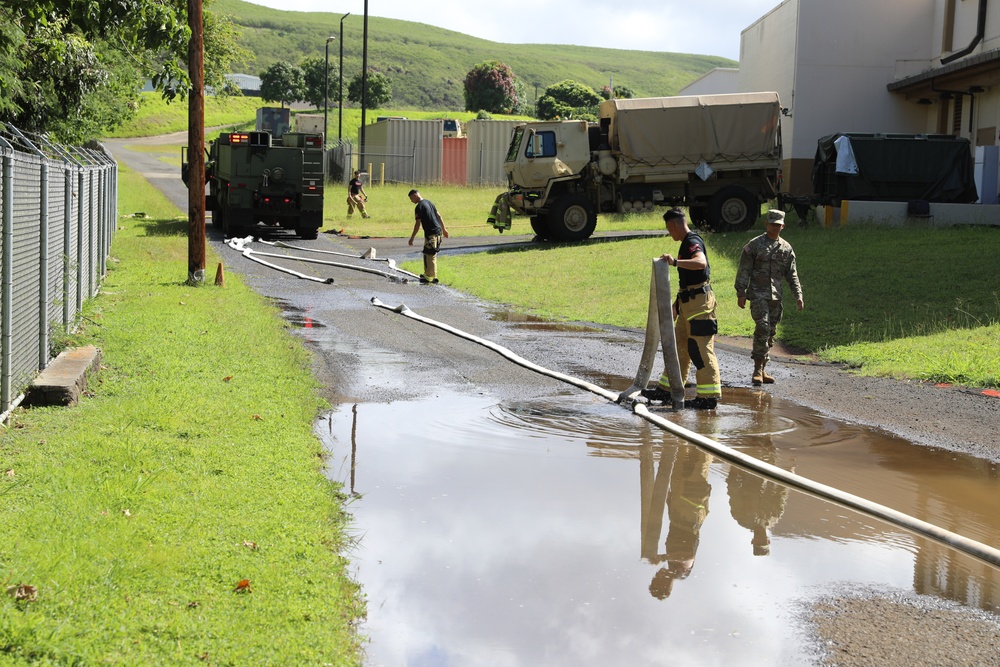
x,y
62,382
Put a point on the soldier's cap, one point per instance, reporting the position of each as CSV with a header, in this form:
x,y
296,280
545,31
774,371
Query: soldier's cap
x,y
775,216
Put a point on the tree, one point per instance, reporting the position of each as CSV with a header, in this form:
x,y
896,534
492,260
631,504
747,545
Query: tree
x,y
491,86
568,99
314,75
282,82
74,68
379,90
621,93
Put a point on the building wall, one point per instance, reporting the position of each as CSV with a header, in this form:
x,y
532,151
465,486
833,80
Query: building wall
x,y
488,144
403,151
830,63
719,81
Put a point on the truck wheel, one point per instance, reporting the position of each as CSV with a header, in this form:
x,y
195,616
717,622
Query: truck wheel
x,y
540,225
307,233
572,219
733,209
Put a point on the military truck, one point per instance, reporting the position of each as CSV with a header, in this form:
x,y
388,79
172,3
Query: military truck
x,y
719,155
252,181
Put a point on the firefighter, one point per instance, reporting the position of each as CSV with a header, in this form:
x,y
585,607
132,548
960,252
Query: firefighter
x,y
356,196
766,262
695,324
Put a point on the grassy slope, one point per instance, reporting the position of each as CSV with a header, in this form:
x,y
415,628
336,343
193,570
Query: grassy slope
x,y
427,64
191,467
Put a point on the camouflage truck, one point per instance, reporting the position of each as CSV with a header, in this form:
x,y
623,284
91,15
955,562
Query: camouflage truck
x,y
719,155
252,181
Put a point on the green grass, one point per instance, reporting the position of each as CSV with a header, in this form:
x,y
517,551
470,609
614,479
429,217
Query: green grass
x,y
191,467
156,116
464,210
917,303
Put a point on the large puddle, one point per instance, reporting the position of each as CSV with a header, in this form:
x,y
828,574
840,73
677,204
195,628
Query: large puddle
x,y
567,531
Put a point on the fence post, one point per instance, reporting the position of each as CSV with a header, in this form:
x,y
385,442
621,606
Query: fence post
x,y
67,238
6,286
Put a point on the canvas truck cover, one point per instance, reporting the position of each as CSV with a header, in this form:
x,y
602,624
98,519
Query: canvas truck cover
x,y
894,167
688,129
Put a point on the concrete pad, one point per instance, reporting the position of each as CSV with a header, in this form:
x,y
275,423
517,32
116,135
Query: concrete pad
x,y
62,382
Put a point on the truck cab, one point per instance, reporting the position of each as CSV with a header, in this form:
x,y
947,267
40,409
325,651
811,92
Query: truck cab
x,y
545,165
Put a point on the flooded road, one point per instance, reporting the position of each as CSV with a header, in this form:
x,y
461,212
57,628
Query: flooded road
x,y
566,531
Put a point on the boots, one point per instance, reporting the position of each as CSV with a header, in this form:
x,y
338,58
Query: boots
x,y
768,379
758,373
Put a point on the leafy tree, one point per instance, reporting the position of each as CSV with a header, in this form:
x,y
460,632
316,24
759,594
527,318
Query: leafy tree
x,y
621,93
314,74
379,90
75,67
568,99
282,82
491,86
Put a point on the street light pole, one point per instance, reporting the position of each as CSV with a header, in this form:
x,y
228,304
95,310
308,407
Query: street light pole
x,y
364,87
340,95
326,88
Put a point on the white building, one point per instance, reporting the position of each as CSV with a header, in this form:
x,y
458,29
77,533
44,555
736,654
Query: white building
x,y
895,66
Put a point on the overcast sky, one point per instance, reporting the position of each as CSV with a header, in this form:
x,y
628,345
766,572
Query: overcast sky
x,y
678,26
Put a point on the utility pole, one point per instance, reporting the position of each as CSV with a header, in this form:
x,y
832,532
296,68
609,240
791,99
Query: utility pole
x,y
326,89
196,145
364,89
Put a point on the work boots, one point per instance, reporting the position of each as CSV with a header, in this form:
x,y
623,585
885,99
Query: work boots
x,y
758,373
768,379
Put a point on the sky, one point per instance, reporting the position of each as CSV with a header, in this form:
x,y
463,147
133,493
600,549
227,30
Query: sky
x,y
677,26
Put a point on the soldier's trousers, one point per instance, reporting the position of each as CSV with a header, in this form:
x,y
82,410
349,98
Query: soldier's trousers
x,y
695,329
766,314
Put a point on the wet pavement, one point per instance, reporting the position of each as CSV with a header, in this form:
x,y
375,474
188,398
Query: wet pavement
x,y
503,524
566,531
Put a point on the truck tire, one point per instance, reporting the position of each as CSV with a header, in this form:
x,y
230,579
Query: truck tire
x,y
572,219
307,233
540,225
733,209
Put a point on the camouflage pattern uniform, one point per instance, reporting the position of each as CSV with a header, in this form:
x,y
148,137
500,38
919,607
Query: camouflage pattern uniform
x,y
764,264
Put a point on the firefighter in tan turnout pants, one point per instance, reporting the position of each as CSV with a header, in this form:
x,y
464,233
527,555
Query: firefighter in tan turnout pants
x,y
695,324
767,261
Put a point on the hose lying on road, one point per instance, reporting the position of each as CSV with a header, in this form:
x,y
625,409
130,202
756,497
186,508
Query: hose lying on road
x,y
239,245
370,255
971,547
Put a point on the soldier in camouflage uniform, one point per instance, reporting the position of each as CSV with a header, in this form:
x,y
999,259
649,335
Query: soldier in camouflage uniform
x,y
766,261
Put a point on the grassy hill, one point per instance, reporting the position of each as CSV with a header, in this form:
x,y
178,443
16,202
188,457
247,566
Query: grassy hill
x,y
427,65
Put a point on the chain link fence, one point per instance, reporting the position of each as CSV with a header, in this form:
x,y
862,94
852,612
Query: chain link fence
x,y
59,212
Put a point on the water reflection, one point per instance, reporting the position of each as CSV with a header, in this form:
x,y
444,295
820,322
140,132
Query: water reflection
x,y
681,479
506,533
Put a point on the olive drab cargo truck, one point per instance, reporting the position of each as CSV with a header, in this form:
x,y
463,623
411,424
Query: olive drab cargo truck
x,y
252,181
719,155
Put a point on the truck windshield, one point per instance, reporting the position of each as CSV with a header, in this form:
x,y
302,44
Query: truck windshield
x,y
515,144
542,144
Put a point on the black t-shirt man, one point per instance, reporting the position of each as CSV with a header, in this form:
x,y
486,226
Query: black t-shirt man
x,y
691,246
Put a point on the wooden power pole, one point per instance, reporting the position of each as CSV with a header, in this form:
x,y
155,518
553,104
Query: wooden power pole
x,y
196,145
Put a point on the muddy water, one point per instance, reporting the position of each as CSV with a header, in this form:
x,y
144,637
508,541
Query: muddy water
x,y
567,531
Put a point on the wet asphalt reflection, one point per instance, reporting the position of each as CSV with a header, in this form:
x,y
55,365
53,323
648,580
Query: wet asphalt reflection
x,y
567,531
